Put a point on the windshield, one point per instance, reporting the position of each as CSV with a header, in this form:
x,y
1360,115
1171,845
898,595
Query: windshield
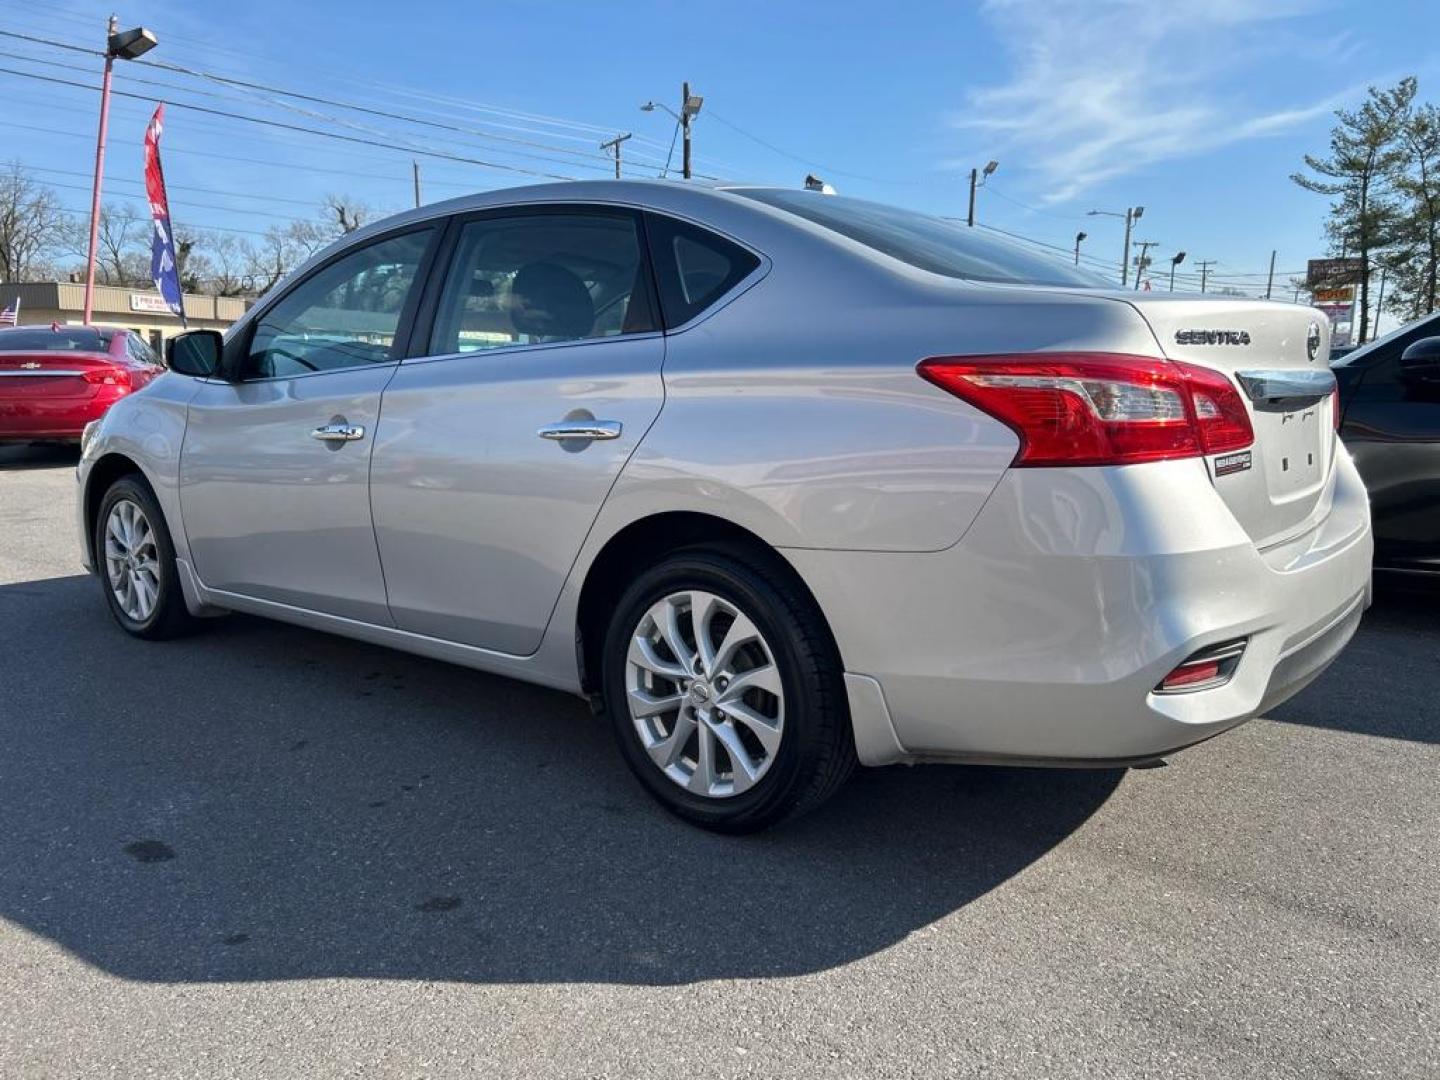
x,y
77,339
927,242
1361,352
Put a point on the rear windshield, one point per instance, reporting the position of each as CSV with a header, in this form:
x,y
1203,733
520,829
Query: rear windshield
x,y
66,339
929,243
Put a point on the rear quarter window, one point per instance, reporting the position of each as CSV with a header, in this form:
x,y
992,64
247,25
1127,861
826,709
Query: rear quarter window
x,y
694,268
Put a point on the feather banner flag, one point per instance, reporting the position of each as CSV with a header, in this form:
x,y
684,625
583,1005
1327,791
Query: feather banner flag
x,y
163,269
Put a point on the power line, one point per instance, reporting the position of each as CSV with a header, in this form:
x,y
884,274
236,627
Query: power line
x,y
282,125
349,76
588,161
808,162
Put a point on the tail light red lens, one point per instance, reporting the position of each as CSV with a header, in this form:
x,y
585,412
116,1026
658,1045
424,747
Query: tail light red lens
x,y
1099,408
109,376
1220,415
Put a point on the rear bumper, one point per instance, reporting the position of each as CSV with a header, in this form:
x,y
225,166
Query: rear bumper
x,y
1041,635
34,419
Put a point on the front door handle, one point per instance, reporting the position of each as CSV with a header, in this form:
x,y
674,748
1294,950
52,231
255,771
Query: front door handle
x,y
338,433
582,429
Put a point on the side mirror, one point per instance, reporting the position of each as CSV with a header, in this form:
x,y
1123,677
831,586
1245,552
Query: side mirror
x,y
195,352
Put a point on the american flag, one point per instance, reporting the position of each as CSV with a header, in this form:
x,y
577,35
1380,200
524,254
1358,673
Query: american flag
x,y
11,315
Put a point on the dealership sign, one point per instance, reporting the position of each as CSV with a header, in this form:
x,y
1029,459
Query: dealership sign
x,y
1341,318
1329,273
149,302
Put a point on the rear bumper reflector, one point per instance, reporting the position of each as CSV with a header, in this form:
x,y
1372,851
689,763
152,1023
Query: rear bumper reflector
x,y
1206,669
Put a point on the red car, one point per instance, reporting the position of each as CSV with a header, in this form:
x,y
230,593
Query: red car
x,y
54,381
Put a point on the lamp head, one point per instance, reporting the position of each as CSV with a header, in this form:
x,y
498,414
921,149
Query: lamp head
x,y
130,44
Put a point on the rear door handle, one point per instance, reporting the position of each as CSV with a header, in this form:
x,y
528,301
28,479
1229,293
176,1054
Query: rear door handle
x,y
338,433
582,429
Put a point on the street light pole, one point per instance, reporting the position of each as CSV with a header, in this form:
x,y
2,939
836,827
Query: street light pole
x,y
1078,237
685,128
1175,261
1131,215
99,172
118,46
977,180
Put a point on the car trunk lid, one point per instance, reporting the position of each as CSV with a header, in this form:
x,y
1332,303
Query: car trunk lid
x,y
1275,353
49,375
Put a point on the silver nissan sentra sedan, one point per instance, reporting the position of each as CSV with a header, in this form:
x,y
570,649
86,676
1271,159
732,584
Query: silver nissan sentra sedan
x,y
779,480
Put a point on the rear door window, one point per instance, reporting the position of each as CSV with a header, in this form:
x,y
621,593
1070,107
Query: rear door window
x,y
543,276
694,267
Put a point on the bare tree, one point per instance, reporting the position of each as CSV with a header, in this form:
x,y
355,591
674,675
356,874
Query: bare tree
x,y
349,214
122,254
31,224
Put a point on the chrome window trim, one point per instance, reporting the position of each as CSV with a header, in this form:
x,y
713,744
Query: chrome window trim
x,y
537,346
303,374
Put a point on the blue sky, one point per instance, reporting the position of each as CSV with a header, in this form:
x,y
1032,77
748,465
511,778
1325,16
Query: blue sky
x,y
1198,111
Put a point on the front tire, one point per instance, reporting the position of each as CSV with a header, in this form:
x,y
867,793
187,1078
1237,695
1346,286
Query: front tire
x,y
725,691
135,559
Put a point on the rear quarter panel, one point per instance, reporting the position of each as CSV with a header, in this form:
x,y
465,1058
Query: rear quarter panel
x,y
796,410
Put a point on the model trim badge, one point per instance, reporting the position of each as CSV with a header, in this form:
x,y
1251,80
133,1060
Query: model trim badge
x,y
1232,463
1212,337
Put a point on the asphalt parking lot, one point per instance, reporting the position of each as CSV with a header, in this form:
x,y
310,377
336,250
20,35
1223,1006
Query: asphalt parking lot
x,y
266,852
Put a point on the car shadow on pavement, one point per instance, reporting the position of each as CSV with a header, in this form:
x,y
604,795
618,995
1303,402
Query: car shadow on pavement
x,y
264,802
1400,632
17,456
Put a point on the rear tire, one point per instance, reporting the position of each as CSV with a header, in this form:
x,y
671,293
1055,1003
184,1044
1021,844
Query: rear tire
x,y
725,691
135,561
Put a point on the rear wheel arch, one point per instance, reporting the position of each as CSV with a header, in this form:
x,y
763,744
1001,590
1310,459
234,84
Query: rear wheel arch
x,y
642,543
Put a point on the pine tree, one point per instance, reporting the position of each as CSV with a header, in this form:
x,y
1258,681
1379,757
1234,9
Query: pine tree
x,y
1366,154
1415,262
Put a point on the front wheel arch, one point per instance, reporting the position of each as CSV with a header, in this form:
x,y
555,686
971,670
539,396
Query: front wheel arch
x,y
101,477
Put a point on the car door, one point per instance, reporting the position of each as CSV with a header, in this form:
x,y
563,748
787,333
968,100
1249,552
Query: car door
x,y
274,470
1391,426
498,446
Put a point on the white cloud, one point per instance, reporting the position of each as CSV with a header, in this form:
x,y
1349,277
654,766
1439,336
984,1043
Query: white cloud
x,y
1104,88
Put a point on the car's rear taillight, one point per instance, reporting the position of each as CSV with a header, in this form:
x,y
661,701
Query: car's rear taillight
x,y
1099,408
109,376
1220,415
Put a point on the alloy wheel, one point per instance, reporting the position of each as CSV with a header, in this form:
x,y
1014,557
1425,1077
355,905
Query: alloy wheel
x,y
131,560
705,694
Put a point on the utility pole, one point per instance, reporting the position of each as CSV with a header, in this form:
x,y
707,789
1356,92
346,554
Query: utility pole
x,y
977,180
614,144
1270,281
1204,265
1143,260
1375,326
415,170
685,114
1078,237
1131,216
